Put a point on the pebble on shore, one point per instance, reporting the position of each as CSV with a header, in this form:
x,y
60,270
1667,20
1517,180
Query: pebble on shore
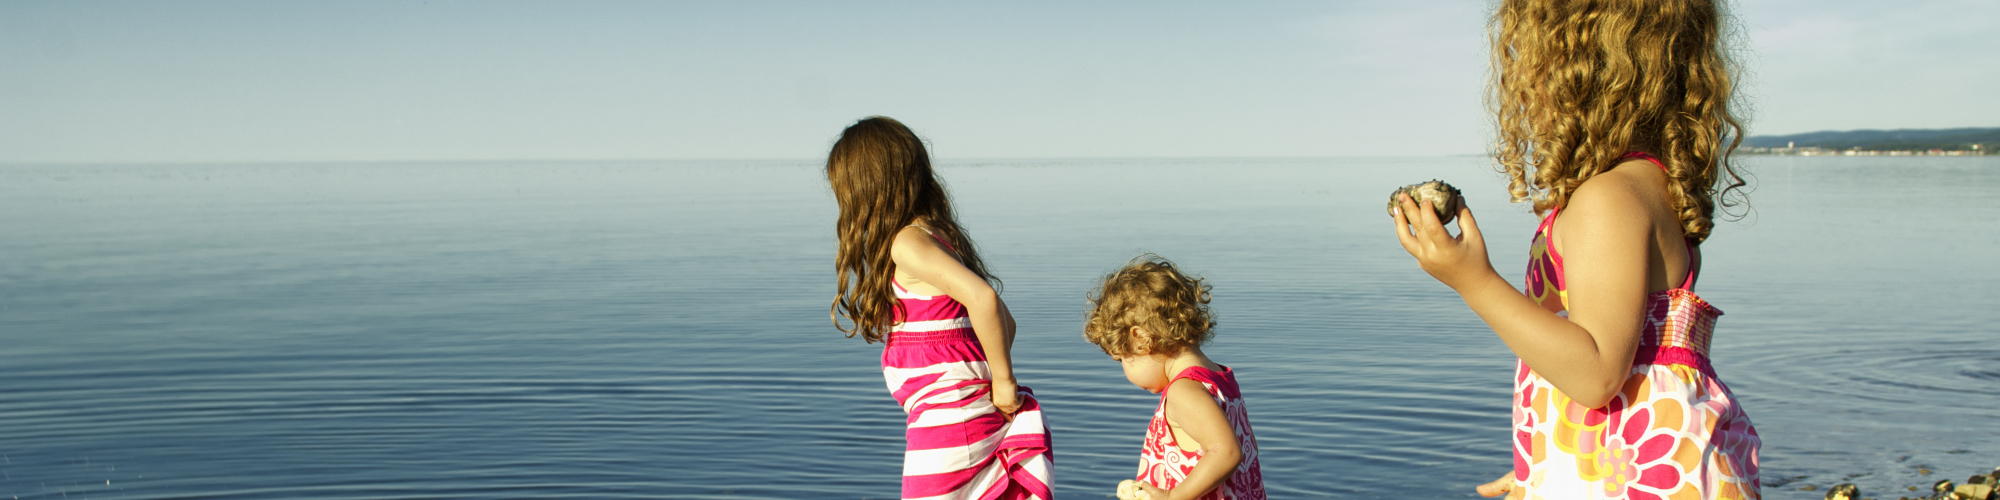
x,y
1977,487
1843,491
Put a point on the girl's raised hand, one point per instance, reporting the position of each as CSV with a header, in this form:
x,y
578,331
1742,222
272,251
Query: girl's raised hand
x,y
1455,261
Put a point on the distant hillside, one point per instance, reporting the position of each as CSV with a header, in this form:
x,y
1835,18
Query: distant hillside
x,y
1949,139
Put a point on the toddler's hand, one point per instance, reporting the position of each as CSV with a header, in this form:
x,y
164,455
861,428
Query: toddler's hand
x,y
1134,490
1006,397
1454,261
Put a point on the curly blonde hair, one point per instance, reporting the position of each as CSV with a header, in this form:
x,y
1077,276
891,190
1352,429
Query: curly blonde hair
x,y
1578,83
881,175
1152,294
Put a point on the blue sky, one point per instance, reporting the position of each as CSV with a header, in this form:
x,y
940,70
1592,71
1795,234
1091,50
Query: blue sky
x,y
346,81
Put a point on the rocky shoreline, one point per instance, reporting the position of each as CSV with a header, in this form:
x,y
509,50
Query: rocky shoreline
x,y
1977,487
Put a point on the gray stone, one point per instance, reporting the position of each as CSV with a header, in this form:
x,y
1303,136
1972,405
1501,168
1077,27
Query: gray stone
x,y
1443,197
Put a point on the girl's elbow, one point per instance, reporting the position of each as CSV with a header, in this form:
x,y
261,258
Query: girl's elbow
x,y
1228,454
982,296
1592,400
1600,394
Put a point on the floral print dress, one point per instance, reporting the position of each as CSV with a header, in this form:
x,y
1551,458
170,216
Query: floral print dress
x,y
1162,462
1673,432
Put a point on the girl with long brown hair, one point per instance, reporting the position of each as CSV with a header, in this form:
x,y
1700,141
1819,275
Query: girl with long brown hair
x,y
1614,120
910,277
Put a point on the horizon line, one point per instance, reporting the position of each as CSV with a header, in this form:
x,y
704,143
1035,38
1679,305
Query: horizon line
x,y
939,160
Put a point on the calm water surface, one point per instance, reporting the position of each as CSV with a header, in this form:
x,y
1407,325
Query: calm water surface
x,y
658,329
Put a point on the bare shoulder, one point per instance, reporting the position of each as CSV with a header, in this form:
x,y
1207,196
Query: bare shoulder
x,y
913,245
925,267
1630,183
1621,196
1189,394
1192,410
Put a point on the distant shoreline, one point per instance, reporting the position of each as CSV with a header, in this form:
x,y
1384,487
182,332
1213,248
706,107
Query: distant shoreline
x,y
1815,151
1903,142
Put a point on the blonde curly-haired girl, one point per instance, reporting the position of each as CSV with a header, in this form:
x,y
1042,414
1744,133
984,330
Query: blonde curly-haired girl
x,y
1153,319
1614,120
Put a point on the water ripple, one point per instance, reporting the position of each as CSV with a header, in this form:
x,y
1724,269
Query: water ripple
x,y
646,329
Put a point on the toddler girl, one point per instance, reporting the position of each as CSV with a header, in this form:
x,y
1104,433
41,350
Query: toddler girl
x,y
1614,120
910,278
1153,320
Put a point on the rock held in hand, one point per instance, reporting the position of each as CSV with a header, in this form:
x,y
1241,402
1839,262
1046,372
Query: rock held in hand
x,y
1444,198
1843,491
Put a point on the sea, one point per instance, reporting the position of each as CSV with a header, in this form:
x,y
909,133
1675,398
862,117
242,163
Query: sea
x,y
660,329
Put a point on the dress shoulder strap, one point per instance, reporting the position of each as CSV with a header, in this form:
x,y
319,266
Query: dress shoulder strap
x,y
1547,231
934,236
941,241
1219,384
1688,283
1643,156
1197,373
1192,372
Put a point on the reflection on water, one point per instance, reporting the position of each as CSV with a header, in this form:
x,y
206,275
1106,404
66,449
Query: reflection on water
x,y
477,330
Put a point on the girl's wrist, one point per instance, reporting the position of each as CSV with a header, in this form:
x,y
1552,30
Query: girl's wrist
x,y
1478,282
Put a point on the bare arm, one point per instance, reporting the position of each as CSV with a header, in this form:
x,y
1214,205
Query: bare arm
x,y
920,256
1193,411
1605,238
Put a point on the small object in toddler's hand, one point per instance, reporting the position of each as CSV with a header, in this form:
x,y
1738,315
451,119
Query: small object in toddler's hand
x,y
1843,491
1442,196
1130,490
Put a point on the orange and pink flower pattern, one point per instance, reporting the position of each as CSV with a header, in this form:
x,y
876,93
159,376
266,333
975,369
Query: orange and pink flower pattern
x,y
1673,432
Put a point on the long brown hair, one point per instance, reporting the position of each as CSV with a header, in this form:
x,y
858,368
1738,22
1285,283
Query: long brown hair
x,y
1578,83
881,175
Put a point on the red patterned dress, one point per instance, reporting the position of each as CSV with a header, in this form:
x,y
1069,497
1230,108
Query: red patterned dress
x,y
1673,432
1162,463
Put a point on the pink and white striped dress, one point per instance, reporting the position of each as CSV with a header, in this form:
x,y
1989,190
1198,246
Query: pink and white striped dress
x,y
960,445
